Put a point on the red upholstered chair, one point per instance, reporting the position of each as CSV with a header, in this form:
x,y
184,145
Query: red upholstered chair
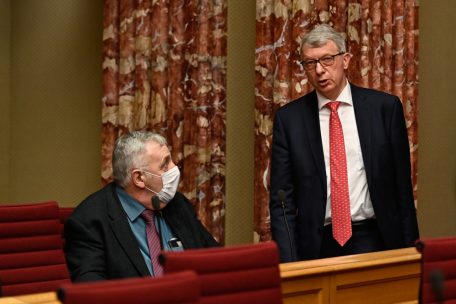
x,y
182,287
239,274
31,254
438,270
64,213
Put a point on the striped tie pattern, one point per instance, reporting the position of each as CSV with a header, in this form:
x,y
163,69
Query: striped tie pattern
x,y
153,241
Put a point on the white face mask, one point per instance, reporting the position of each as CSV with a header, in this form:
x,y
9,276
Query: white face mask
x,y
170,180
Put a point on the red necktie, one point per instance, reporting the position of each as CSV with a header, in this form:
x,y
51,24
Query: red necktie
x,y
340,200
153,241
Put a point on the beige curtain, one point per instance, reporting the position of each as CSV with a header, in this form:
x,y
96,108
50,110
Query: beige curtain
x,y
164,69
381,34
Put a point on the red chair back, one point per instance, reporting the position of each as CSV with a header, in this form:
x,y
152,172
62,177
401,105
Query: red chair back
x,y
183,287
64,213
239,274
438,270
31,254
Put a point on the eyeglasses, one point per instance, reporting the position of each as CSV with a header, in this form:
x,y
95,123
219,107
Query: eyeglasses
x,y
325,61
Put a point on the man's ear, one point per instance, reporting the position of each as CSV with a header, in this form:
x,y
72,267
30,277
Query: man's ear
x,y
137,179
346,59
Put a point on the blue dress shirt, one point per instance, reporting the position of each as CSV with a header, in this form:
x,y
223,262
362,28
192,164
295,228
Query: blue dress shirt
x,y
133,208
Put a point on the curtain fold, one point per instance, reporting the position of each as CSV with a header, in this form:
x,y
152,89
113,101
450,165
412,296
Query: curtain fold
x,y
382,35
164,70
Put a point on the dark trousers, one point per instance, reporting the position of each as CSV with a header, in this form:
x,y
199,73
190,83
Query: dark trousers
x,y
365,238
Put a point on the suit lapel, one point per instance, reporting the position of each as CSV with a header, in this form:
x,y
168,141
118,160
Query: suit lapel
x,y
124,235
312,126
363,114
177,218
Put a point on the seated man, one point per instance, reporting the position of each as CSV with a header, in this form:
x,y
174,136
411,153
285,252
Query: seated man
x,y
118,231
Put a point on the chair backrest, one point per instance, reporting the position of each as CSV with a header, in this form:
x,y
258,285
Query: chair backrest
x,y
182,287
438,270
64,213
237,274
31,254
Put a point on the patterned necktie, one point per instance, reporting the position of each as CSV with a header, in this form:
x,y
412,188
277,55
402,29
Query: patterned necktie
x,y
153,241
340,201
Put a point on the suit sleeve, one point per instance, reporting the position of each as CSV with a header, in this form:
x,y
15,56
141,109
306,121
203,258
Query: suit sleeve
x,y
404,190
84,252
281,179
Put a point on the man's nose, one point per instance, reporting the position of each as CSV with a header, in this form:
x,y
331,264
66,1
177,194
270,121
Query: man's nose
x,y
319,69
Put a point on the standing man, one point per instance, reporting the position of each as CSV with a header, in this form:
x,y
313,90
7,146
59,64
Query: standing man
x,y
340,168
119,231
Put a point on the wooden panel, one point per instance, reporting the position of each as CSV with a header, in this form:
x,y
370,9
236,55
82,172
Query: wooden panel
x,y
378,273
38,298
389,284
388,291
388,276
306,290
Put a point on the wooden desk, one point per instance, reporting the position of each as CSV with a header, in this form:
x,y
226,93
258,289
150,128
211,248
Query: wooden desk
x,y
38,298
381,277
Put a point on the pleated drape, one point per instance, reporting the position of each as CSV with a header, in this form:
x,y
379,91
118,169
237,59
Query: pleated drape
x,y
164,70
382,35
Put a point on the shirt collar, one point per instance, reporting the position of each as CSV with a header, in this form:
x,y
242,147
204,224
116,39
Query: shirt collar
x,y
132,207
345,96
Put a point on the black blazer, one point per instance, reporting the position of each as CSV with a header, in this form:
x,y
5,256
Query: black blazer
x,y
99,243
298,167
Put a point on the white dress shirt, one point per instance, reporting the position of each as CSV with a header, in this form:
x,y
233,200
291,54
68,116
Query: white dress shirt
x,y
360,201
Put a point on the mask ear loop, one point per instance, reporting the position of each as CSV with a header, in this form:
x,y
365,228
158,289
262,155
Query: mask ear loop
x,y
155,200
153,174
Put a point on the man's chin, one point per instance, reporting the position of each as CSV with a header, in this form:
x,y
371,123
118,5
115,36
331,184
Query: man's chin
x,y
326,92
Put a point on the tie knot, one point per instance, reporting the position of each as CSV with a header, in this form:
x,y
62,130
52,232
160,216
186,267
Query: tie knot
x,y
333,105
148,215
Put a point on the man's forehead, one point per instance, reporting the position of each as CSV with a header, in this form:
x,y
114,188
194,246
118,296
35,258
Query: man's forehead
x,y
329,46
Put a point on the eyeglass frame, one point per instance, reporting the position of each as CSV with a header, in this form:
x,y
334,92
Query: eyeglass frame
x,y
314,62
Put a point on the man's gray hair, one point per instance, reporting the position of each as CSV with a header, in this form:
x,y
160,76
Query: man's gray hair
x,y
321,34
128,154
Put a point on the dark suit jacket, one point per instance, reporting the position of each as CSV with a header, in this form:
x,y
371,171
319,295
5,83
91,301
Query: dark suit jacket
x,y
99,243
298,167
